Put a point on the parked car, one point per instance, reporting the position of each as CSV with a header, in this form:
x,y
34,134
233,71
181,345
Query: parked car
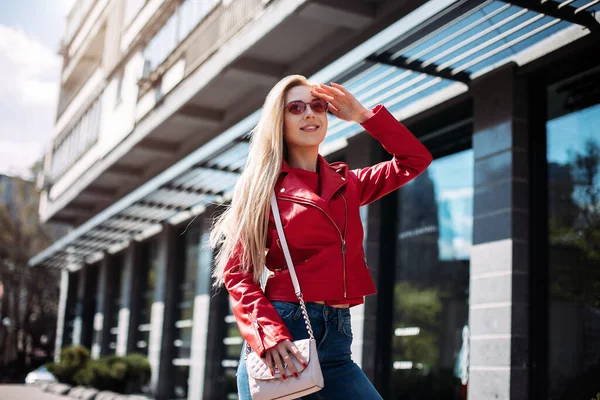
x,y
39,375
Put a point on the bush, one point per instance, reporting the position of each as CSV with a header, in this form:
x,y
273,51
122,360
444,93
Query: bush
x,y
125,375
72,359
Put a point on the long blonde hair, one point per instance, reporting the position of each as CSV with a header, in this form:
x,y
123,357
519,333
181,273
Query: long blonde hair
x,y
242,228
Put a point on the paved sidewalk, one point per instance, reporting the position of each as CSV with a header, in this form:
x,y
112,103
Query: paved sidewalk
x,y
22,392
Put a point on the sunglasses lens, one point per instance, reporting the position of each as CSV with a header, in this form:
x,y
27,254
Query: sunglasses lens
x,y
296,107
318,106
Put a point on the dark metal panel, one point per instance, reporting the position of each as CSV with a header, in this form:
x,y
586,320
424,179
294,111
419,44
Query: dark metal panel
x,y
565,12
431,69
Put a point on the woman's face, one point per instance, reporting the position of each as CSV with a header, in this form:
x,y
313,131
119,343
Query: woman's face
x,y
306,129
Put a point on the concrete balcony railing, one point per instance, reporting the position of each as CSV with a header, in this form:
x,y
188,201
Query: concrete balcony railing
x,y
71,104
69,147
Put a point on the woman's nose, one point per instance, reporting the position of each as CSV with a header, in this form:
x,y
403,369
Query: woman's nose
x,y
309,112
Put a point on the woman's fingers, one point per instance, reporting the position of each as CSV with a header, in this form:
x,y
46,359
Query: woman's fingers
x,y
340,88
269,359
287,360
297,354
279,363
332,90
323,96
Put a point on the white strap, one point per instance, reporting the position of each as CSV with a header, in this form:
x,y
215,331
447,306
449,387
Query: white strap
x,y
284,246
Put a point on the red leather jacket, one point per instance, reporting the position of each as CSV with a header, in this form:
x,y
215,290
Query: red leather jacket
x,y
329,259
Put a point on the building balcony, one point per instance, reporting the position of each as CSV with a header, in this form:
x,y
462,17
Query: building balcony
x,y
202,69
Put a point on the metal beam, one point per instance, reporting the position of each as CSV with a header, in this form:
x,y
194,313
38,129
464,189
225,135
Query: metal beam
x,y
161,206
194,191
566,13
400,62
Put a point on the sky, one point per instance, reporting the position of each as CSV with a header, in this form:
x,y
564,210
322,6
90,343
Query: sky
x,y
30,33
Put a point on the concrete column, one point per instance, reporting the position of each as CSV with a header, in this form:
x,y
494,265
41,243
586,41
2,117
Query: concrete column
x,y
61,319
129,295
363,151
162,314
499,286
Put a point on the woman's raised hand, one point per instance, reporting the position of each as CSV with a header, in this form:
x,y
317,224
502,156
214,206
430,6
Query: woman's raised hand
x,y
282,354
342,103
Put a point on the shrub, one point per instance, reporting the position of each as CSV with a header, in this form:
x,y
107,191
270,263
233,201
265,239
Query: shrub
x,y
139,368
127,374
72,359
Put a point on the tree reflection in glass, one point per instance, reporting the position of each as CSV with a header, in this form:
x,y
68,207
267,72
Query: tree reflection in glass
x,y
435,224
573,154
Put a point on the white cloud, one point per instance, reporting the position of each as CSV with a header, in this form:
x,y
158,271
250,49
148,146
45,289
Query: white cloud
x,y
29,84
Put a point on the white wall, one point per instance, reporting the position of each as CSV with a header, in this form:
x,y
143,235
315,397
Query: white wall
x,y
118,118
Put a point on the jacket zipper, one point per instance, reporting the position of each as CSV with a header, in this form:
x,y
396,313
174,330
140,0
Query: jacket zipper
x,y
342,237
256,328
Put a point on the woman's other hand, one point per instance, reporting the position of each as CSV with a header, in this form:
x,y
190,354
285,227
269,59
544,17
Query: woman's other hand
x,y
282,354
342,103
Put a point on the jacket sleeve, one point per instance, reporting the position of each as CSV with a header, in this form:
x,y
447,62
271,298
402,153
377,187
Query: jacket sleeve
x,y
410,157
258,321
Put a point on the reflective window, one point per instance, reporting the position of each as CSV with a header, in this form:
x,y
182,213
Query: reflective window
x,y
186,291
193,287
431,291
233,343
573,156
148,268
116,303
70,309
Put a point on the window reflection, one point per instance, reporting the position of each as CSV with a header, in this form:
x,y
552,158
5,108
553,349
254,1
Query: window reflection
x,y
116,303
233,343
435,223
573,156
146,292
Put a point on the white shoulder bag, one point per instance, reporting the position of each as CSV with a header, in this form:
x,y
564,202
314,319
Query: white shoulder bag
x,y
263,386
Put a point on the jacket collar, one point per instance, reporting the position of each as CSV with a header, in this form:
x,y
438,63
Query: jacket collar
x,y
294,188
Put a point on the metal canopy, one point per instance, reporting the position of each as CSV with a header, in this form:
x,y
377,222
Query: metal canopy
x,y
443,43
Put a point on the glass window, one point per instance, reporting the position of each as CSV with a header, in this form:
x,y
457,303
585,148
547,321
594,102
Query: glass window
x,y
233,344
194,280
146,293
573,157
431,290
70,309
116,300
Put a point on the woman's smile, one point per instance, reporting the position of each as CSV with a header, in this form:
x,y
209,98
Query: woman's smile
x,y
310,127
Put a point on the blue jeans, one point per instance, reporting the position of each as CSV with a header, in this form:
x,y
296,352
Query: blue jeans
x,y
333,333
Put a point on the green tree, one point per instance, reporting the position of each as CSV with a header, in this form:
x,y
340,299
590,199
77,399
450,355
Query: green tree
x,y
29,299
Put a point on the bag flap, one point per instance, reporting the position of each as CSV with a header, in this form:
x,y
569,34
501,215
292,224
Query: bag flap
x,y
258,369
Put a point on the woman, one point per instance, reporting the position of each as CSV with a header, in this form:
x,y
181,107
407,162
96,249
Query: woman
x,y
319,205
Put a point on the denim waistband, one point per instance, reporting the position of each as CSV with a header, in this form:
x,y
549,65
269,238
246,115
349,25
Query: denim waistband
x,y
316,309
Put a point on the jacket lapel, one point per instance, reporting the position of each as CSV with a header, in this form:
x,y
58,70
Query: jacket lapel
x,y
293,188
331,180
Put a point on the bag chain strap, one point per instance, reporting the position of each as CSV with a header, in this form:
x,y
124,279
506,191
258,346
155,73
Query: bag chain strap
x,y
288,259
